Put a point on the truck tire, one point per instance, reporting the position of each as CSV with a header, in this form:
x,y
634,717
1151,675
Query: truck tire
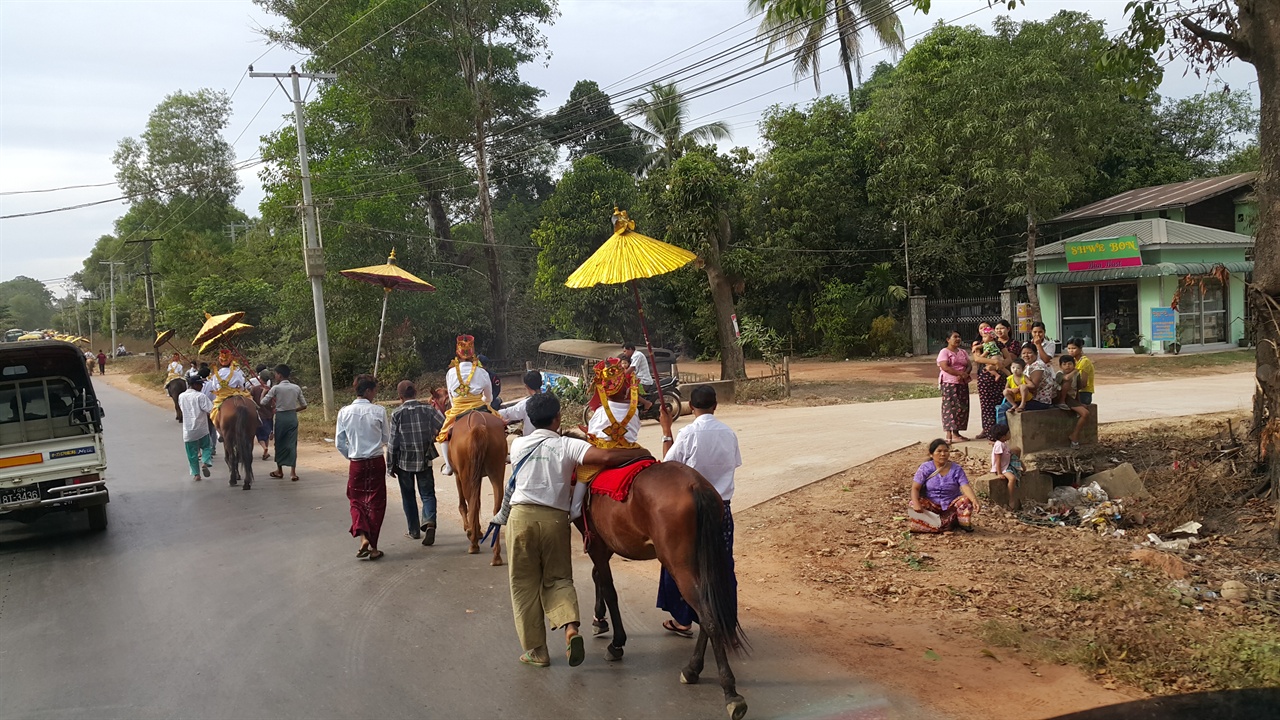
x,y
97,517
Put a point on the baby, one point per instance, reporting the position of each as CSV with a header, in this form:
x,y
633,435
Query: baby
x,y
986,344
1016,390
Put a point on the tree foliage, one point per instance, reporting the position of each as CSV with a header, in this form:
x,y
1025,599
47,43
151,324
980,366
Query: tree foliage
x,y
181,152
664,116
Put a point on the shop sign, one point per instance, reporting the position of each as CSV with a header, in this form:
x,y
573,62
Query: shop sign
x,y
1103,254
1164,324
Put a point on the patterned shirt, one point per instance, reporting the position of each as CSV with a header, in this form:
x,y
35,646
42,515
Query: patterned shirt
x,y
414,427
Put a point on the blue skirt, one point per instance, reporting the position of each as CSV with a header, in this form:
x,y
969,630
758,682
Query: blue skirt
x,y
669,597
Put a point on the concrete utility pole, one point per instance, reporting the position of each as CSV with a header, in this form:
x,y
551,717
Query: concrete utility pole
x,y
112,266
151,291
312,254
231,230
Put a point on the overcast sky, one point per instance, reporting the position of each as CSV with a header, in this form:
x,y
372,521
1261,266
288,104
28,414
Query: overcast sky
x,y
76,76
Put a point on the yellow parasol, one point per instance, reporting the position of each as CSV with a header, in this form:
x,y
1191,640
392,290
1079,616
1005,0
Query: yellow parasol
x,y
389,277
225,336
214,325
626,257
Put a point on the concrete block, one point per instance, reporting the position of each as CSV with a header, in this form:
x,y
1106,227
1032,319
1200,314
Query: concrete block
x,y
1036,430
1034,486
1120,482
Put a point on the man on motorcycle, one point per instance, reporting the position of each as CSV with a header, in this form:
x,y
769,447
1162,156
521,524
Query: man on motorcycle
x,y
640,363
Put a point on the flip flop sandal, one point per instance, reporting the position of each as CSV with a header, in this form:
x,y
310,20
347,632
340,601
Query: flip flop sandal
x,y
266,456
362,552
671,627
276,475
527,659
375,554
576,651
293,478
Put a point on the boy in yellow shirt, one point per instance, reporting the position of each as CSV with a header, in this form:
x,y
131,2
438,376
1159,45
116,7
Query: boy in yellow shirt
x,y
1084,368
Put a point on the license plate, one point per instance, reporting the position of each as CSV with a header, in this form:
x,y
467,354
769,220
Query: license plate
x,y
18,495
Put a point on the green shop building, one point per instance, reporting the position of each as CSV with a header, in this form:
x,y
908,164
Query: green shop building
x,y
1112,277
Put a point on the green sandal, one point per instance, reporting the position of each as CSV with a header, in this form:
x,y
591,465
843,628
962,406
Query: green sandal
x,y
528,659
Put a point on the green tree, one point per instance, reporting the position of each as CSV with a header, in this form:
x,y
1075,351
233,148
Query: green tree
x,y
30,303
181,151
663,117
806,25
1208,128
587,125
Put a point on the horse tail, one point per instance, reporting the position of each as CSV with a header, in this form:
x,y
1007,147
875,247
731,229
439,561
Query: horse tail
x,y
718,597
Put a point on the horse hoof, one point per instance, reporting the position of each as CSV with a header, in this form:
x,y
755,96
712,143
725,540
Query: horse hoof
x,y
688,677
497,562
613,654
473,550
234,483
246,486
737,708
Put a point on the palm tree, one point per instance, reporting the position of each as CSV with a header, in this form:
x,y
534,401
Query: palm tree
x,y
805,25
663,116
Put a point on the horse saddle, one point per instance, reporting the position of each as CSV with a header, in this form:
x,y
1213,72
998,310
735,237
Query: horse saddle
x,y
616,482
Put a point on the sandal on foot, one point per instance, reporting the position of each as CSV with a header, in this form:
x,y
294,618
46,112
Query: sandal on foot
x,y
375,554
276,474
266,455
429,535
576,651
362,553
528,659
671,627
293,478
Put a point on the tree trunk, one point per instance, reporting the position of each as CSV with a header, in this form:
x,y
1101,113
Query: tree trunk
x,y
439,221
1033,295
498,296
1260,27
732,364
846,61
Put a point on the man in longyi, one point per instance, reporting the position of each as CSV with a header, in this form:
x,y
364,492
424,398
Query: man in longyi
x,y
469,389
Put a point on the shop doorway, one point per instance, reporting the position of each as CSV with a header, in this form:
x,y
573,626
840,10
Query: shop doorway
x,y
1202,312
1104,316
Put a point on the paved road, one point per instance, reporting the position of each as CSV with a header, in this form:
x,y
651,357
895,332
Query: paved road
x,y
787,448
204,601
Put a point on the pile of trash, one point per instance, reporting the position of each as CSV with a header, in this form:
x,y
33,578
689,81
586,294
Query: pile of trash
x,y
1088,506
1180,539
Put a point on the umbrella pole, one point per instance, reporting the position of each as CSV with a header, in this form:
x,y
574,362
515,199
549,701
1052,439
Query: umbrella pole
x,y
377,355
644,327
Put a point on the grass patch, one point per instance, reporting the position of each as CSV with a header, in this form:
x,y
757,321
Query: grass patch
x,y
758,391
1243,658
1076,593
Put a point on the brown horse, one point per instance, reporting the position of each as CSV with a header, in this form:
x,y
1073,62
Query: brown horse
x,y
238,424
173,389
478,447
673,514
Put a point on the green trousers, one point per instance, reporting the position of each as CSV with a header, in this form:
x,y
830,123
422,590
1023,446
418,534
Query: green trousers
x,y
541,572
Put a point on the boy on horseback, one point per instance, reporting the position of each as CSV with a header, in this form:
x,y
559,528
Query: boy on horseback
x,y
227,381
175,369
615,424
469,389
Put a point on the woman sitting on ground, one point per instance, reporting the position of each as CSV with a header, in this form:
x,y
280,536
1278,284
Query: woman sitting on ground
x,y
941,497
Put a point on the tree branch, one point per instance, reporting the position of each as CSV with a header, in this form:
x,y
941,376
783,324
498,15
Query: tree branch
x,y
1230,42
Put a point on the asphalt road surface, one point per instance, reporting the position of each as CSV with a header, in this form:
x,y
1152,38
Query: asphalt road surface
x,y
205,601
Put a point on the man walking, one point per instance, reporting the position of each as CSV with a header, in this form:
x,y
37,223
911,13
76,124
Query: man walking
x,y
710,447
532,381
195,428
409,454
535,510
102,363
360,435
259,386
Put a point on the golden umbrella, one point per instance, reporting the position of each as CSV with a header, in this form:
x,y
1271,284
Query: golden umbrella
x,y
165,337
214,325
624,258
389,277
225,336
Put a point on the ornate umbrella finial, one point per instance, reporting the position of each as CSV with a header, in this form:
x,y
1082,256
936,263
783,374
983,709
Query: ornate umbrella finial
x,y
622,223
391,259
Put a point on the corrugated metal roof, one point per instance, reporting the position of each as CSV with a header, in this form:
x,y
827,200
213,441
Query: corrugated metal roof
x,y
1160,197
1130,273
1151,233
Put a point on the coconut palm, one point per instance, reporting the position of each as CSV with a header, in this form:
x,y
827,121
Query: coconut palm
x,y
806,24
663,116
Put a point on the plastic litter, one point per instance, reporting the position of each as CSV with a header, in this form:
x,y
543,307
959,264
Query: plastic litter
x,y
1064,496
1187,528
1093,493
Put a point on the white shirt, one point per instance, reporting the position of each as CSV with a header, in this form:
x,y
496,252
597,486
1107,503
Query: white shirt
x,y
362,430
640,364
710,447
231,379
544,478
210,387
519,411
600,421
480,383
175,368
195,407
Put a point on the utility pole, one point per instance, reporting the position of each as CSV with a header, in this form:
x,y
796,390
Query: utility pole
x,y
906,255
112,266
313,254
231,230
151,291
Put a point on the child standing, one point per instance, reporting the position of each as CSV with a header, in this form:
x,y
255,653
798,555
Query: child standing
x,y
1084,368
1006,461
1068,391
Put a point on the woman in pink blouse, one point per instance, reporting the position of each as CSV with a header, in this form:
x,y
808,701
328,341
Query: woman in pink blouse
x,y
955,364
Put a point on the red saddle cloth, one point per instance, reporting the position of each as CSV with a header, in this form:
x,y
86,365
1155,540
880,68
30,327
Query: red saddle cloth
x,y
616,483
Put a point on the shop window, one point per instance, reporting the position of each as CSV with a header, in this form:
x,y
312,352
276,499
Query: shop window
x,y
1101,315
1202,312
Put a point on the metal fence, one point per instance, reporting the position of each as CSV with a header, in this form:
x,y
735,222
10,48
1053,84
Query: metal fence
x,y
963,315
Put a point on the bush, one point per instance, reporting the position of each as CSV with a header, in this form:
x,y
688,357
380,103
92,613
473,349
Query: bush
x,y
885,339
